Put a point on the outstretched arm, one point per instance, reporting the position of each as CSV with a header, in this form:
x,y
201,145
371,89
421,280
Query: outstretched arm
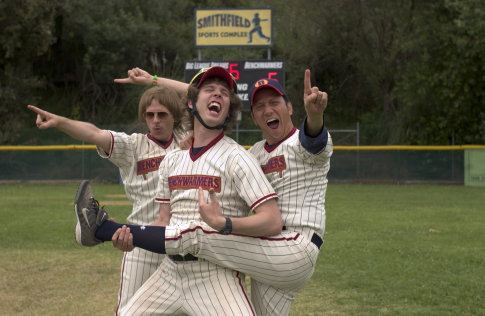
x,y
83,131
141,77
315,103
265,222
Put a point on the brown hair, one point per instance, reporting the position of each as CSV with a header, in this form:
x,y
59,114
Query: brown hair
x,y
166,97
235,105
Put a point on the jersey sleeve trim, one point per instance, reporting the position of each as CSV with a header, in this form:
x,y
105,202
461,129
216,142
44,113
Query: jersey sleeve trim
x,y
264,198
112,144
159,200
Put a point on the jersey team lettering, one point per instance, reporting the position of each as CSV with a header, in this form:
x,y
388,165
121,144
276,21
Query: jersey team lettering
x,y
148,165
194,182
275,164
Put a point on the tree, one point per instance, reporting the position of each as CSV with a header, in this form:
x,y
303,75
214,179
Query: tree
x,y
442,88
26,32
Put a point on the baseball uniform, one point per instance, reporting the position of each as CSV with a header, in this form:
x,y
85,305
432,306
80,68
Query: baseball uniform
x,y
279,266
138,156
198,286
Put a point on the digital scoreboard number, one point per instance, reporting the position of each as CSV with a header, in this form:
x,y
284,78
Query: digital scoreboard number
x,y
246,73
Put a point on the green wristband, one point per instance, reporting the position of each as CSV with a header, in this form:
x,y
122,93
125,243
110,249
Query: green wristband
x,y
154,83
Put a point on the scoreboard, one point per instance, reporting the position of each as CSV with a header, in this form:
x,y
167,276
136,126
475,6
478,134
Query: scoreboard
x,y
246,73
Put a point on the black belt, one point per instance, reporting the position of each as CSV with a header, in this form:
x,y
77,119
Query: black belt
x,y
317,240
187,257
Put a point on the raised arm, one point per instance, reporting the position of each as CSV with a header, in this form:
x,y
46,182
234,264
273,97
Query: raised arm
x,y
141,77
315,103
83,131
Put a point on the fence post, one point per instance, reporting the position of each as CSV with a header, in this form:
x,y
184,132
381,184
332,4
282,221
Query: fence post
x,y
82,163
238,121
358,127
452,155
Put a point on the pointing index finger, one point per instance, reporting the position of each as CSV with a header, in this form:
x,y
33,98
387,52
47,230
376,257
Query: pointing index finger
x,y
307,84
35,109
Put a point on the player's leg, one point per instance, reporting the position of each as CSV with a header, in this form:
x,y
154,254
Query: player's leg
x,y
160,295
270,301
136,268
210,289
93,227
88,214
285,261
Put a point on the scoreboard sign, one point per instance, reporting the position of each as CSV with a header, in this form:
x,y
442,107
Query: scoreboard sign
x,y
233,27
246,73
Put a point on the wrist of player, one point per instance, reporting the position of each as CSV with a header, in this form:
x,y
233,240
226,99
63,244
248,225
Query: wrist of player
x,y
218,223
314,125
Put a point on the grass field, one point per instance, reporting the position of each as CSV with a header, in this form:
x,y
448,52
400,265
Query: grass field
x,y
389,250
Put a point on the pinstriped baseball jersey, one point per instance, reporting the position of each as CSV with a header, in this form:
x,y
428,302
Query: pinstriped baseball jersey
x,y
240,186
279,266
223,165
138,156
300,180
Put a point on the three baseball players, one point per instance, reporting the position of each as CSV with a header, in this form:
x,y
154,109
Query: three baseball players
x,y
138,157
296,163
189,284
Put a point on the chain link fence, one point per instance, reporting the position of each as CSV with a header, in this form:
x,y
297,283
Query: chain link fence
x,y
71,160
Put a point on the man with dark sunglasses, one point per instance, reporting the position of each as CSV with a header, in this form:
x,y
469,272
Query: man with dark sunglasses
x,y
185,284
296,163
138,157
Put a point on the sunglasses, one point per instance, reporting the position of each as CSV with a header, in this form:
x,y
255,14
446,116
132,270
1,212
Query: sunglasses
x,y
161,115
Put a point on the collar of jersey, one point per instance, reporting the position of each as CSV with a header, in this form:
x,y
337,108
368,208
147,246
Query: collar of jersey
x,y
269,148
206,148
156,141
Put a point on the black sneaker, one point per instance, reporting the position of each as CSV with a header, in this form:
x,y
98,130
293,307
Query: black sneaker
x,y
89,216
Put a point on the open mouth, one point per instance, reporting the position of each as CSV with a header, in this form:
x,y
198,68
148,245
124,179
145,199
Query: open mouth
x,y
214,107
273,123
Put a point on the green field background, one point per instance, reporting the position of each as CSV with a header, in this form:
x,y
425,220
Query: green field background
x,y
389,250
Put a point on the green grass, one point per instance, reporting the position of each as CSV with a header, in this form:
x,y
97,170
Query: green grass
x,y
389,250
43,271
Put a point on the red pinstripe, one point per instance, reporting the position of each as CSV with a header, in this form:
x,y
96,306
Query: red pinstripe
x,y
245,296
121,286
210,232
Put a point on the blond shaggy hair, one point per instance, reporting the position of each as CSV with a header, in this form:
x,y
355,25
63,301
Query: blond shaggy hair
x,y
166,97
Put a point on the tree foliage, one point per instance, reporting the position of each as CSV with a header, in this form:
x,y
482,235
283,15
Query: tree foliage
x,y
410,71
26,32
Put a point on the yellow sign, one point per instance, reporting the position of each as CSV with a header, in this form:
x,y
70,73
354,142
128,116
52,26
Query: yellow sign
x,y
233,27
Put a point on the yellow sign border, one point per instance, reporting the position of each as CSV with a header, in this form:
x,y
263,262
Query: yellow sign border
x,y
237,30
